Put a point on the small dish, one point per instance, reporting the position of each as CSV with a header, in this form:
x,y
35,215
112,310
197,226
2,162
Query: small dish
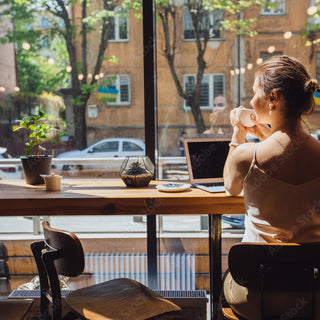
x,y
173,187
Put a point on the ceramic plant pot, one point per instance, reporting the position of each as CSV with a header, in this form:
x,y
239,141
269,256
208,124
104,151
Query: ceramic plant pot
x,y
34,166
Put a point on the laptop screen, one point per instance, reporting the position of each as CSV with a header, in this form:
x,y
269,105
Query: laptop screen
x,y
206,158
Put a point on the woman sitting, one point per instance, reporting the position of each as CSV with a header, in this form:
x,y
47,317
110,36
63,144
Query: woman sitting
x,y
280,176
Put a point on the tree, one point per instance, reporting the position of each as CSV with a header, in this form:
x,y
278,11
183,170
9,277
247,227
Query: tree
x,y
204,26
72,31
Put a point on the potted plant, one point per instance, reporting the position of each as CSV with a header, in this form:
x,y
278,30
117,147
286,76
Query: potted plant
x,y
136,171
35,161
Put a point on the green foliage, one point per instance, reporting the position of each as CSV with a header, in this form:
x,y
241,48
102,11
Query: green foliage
x,y
37,132
86,90
135,168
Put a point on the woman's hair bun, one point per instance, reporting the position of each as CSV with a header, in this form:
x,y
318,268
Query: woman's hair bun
x,y
312,85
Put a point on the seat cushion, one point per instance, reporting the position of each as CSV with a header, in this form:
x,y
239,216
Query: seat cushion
x,y
119,299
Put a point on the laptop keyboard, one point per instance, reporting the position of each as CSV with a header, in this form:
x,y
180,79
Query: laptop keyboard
x,y
212,184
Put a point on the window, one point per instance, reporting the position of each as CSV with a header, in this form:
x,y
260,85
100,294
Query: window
x,y
212,85
115,90
45,42
119,25
274,7
211,22
44,23
130,146
110,146
266,55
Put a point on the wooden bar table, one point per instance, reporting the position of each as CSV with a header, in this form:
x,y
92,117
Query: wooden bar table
x,y
112,197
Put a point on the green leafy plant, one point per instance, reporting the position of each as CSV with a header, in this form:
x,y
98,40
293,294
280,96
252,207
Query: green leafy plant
x,y
37,132
135,168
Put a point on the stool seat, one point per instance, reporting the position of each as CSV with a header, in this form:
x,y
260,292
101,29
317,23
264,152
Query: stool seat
x,y
119,299
14,309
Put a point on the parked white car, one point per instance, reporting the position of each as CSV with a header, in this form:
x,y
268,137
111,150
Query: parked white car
x,y
9,171
106,148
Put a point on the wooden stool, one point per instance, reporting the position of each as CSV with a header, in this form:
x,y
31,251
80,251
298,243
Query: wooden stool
x,y
14,309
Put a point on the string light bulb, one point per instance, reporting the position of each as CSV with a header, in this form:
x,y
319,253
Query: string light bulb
x,y
101,74
97,77
16,89
26,46
232,72
68,68
51,61
259,60
312,10
249,66
271,49
80,76
2,89
287,35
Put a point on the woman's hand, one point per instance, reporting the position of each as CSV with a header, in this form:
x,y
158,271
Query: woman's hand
x,y
260,130
239,131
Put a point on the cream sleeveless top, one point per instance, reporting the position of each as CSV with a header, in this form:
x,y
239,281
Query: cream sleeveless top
x,y
277,211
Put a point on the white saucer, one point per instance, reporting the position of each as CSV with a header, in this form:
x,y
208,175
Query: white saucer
x,y
173,187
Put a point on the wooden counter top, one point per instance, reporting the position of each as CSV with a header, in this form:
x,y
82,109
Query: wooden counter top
x,y
110,197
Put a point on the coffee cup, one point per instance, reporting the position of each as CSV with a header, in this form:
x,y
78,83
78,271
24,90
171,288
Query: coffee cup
x,y
244,116
53,182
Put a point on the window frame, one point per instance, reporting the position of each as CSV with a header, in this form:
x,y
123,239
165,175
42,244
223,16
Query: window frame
x,y
272,12
116,23
211,97
116,79
187,20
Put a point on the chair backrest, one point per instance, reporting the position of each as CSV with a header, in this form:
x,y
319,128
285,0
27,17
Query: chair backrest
x,y
275,266
71,257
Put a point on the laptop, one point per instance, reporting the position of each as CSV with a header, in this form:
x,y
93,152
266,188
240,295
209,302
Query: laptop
x,y
205,160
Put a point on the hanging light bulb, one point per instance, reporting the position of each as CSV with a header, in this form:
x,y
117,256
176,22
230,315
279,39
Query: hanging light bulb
x,y
237,71
232,72
312,10
101,74
259,60
16,89
2,89
68,68
271,49
97,77
242,70
26,46
80,76
89,75
249,66
287,35
51,61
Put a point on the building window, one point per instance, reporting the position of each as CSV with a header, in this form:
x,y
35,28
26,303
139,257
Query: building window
x,y
45,42
266,55
274,7
211,22
119,25
115,90
44,23
212,85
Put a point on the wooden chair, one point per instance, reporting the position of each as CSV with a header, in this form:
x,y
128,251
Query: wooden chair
x,y
61,253
277,268
14,309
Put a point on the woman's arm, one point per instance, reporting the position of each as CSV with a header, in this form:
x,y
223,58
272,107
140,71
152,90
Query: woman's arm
x,y
239,157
